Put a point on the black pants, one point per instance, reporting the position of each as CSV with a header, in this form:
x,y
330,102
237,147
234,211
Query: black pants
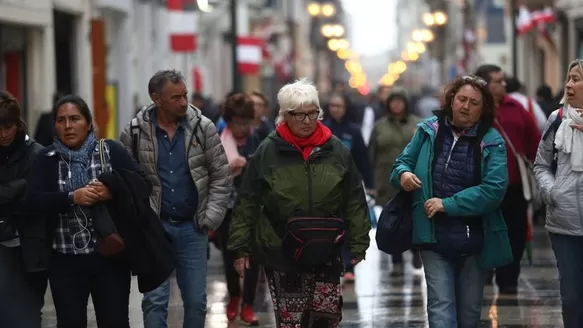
x,y
514,211
74,277
251,275
22,294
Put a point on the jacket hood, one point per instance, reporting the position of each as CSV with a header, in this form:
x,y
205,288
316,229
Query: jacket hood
x,y
398,93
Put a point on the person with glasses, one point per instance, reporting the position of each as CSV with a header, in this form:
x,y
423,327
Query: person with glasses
x,y
240,141
522,136
301,199
455,168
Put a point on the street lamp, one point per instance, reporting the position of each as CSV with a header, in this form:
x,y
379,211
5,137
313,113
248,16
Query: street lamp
x,y
328,10
332,30
423,35
344,53
440,18
315,9
437,18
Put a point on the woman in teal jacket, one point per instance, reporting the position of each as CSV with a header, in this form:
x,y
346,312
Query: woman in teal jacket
x,y
455,166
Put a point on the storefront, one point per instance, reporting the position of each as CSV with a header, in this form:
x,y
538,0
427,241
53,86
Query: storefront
x,y
13,61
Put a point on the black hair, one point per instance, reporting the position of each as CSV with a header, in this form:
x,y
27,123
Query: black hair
x,y
512,84
79,103
545,92
160,78
485,71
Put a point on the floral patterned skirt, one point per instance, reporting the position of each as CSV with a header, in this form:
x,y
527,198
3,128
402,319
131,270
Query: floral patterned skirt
x,y
307,300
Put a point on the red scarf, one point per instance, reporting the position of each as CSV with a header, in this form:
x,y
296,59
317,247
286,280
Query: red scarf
x,y
305,145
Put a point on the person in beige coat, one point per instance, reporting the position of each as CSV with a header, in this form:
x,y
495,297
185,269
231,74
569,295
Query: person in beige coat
x,y
389,137
180,151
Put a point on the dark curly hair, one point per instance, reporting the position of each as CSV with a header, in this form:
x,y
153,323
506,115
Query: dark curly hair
x,y
488,107
238,105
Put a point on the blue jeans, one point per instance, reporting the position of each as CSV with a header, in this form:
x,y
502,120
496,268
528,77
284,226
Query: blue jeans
x,y
190,247
454,290
569,254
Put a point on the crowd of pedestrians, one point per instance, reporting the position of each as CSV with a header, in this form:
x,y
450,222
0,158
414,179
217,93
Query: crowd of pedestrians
x,y
284,199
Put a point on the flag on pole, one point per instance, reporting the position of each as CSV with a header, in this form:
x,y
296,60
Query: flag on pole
x,y
182,25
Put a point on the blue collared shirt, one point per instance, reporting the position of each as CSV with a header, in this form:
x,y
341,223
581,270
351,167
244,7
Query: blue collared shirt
x,y
179,193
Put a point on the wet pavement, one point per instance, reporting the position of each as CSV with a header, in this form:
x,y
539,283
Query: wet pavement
x,y
378,300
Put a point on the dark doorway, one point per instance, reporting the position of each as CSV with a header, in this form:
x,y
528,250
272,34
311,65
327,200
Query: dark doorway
x,y
64,41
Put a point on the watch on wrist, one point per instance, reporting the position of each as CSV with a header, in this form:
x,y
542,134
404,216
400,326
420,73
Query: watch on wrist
x,y
71,198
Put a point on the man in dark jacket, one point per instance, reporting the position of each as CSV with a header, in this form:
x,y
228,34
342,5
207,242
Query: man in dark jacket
x,y
519,129
21,293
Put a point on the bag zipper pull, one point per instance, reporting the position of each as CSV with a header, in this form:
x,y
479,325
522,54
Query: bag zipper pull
x,y
468,231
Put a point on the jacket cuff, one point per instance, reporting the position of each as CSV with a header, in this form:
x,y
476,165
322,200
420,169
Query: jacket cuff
x,y
447,205
240,253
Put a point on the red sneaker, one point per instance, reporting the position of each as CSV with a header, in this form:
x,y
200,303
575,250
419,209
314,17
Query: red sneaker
x,y
233,308
248,316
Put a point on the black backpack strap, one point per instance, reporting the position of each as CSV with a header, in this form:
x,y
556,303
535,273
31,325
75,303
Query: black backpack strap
x,y
553,129
135,131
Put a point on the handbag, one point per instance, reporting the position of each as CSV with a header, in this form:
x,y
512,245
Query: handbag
x,y
529,186
112,243
312,242
394,233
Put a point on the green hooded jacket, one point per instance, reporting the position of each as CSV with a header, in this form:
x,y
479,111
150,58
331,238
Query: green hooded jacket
x,y
278,185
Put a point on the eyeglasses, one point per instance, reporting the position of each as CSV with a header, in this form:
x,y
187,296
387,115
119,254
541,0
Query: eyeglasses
x,y
474,79
302,116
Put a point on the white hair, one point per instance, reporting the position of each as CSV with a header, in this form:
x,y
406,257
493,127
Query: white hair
x,y
296,95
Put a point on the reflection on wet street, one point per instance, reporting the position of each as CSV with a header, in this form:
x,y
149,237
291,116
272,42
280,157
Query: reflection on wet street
x,y
378,300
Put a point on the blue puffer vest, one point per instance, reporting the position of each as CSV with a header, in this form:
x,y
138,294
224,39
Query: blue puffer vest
x,y
454,169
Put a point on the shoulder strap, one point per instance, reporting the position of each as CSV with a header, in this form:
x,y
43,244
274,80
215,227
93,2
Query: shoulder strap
x,y
197,128
135,131
507,139
555,125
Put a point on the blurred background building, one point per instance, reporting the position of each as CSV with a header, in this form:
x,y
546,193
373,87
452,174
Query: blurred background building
x,y
106,50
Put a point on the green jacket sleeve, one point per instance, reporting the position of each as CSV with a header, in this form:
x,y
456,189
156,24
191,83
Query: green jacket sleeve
x,y
246,210
408,159
356,213
486,196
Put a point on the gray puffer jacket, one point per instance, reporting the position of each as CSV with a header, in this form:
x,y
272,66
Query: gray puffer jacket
x,y
563,192
209,168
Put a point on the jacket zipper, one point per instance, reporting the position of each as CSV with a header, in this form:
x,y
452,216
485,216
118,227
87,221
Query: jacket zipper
x,y
455,140
309,176
155,147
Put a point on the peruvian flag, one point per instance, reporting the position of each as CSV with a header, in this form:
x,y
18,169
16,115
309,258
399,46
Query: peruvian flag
x,y
249,54
545,16
197,80
524,22
182,27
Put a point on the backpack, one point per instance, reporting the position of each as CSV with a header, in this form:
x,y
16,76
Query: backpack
x,y
553,129
135,131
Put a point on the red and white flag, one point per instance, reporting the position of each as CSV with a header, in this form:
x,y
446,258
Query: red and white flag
x,y
524,21
182,25
249,54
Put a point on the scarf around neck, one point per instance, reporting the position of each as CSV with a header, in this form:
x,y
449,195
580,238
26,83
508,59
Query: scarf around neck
x,y
231,146
77,160
568,138
305,145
